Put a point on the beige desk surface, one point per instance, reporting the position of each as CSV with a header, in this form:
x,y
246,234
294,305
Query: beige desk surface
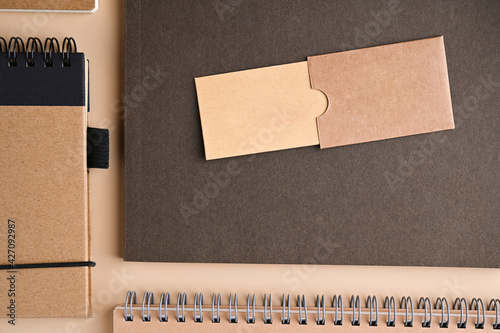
x,y
100,36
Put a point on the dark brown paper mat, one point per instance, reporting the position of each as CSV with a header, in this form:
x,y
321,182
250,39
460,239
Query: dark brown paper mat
x,y
427,200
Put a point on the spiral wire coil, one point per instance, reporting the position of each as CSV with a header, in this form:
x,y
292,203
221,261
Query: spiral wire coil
x,y
48,50
441,306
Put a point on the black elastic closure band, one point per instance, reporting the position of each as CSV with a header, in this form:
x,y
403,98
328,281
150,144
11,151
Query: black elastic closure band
x,y
49,265
97,148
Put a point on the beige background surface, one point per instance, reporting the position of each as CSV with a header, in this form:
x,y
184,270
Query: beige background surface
x,y
100,37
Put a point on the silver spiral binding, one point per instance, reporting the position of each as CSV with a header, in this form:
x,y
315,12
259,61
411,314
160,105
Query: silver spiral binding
x,y
129,300
338,303
16,46
440,302
268,320
216,301
441,305
463,307
285,320
198,301
165,301
233,319
150,298
495,306
302,303
408,302
356,304
390,303
425,303
372,303
475,302
250,319
320,320
181,303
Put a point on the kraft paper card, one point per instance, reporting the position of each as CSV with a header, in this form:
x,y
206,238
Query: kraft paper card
x,y
372,94
259,110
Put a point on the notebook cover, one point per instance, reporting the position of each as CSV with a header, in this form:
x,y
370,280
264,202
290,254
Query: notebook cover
x,y
40,85
426,200
44,195
45,199
66,5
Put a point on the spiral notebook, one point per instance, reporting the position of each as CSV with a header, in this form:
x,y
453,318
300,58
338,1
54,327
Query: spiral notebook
x,y
423,200
46,150
177,313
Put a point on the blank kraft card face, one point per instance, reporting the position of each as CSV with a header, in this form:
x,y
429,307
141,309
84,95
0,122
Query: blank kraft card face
x,y
258,110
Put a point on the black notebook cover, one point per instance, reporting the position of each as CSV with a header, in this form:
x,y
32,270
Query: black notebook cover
x,y
40,84
425,200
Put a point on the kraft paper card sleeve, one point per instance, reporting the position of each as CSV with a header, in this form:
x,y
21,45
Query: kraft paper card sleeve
x,y
339,99
47,148
418,200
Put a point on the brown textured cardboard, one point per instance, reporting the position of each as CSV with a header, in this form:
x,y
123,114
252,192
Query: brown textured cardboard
x,y
258,110
424,200
45,191
383,92
84,5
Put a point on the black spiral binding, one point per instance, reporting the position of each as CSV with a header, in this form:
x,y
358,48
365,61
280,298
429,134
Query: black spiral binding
x,y
16,45
25,80
33,49
406,308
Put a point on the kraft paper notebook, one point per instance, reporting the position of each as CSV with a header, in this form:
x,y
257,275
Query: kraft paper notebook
x,y
46,150
324,313
418,200
76,6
